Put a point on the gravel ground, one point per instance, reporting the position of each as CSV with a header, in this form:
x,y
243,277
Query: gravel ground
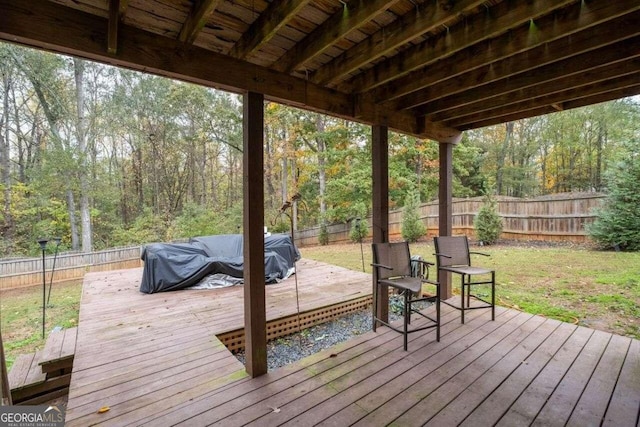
x,y
291,348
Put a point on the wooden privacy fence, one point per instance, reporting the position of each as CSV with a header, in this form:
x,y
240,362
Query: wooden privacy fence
x,y
69,266
561,217
554,218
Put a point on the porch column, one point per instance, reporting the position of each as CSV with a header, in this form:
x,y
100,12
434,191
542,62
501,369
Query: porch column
x,y
445,200
380,214
255,318
5,389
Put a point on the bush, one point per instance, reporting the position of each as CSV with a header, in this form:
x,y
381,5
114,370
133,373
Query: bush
x,y
412,226
618,220
282,226
195,220
488,223
359,230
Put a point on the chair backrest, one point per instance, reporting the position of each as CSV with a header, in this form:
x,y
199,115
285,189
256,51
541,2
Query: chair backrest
x,y
394,255
455,247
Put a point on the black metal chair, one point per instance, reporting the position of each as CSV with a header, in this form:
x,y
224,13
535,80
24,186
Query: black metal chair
x,y
453,255
392,265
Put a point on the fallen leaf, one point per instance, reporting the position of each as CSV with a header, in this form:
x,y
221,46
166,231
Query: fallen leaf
x,y
103,409
275,409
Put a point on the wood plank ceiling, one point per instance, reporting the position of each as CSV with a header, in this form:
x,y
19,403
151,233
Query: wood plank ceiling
x,y
430,68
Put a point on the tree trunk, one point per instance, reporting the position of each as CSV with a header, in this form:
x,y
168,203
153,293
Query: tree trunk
x,y
322,166
502,154
5,162
83,170
602,136
73,223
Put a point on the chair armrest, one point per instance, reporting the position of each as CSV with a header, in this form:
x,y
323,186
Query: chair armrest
x,y
443,255
386,267
421,261
479,253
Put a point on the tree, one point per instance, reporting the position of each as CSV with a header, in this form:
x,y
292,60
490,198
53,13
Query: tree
x,y
488,223
412,226
618,221
83,172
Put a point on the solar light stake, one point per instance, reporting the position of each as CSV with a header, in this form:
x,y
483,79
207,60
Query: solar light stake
x,y
43,246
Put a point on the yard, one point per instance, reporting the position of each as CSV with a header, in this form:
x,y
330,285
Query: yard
x,y
574,284
597,289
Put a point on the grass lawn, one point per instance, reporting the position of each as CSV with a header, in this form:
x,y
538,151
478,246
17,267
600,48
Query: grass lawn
x,y
21,316
597,289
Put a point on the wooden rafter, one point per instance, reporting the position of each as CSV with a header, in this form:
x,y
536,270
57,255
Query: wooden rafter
x,y
556,76
425,18
197,20
484,26
545,55
610,78
350,18
85,34
276,16
588,99
117,10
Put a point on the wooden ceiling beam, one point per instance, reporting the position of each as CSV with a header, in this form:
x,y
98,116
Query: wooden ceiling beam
x,y
494,22
197,19
604,34
555,76
68,31
421,20
612,95
573,19
276,16
352,16
117,10
616,77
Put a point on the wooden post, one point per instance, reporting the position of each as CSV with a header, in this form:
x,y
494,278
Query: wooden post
x,y
255,318
380,217
5,388
445,213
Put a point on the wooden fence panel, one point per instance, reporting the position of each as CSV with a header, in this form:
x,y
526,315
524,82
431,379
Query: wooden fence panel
x,y
68,266
562,217
559,218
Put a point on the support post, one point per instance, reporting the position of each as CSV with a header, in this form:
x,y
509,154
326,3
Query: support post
x,y
445,212
255,318
380,217
5,388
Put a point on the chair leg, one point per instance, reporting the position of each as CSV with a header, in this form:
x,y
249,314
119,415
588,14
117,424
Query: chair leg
x,y
462,294
493,295
375,305
408,305
407,315
438,313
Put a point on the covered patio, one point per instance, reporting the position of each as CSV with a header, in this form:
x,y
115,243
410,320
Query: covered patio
x,y
159,360
431,69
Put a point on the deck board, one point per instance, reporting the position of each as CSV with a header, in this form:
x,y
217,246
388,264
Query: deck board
x,y
155,361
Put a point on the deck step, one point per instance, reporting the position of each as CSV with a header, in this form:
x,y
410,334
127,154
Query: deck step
x,y
26,371
45,374
58,353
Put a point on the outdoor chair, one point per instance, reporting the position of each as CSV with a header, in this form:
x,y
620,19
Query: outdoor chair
x,y
453,255
392,266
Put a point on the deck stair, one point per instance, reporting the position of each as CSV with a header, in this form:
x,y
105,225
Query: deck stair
x,y
44,375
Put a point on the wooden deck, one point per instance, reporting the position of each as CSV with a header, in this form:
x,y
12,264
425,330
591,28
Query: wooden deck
x,y
154,360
